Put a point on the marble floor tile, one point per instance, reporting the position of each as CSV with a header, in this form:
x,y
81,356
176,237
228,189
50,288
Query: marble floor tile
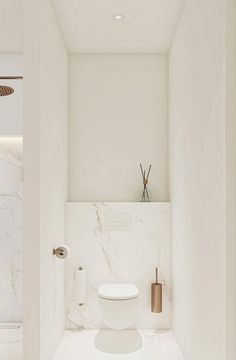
x,y
81,346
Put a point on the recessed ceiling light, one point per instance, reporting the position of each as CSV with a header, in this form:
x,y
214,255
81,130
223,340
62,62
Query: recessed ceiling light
x,y
118,17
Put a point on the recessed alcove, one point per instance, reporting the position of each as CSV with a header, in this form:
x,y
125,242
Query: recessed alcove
x,y
101,97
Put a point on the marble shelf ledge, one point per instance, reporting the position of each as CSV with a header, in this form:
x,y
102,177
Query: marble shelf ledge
x,y
118,202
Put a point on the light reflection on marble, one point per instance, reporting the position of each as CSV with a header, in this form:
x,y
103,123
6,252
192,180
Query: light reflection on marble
x,y
80,346
11,197
110,255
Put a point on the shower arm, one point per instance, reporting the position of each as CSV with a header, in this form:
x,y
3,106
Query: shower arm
x,y
11,77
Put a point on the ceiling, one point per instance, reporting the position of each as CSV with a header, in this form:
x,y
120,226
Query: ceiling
x,y
11,26
88,26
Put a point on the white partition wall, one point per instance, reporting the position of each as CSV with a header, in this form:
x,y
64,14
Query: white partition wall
x,y
230,33
31,230
202,177
53,177
45,134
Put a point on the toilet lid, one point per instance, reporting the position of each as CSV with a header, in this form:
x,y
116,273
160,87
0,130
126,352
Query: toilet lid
x,y
118,291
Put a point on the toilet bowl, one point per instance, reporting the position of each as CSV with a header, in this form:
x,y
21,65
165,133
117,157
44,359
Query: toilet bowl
x,y
118,305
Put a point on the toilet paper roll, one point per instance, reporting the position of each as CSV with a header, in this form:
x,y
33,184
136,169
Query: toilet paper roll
x,y
80,286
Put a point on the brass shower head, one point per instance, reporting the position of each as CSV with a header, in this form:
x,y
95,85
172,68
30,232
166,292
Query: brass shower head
x,y
8,90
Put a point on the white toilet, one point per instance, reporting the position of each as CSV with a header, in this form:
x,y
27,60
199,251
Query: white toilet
x,y
118,305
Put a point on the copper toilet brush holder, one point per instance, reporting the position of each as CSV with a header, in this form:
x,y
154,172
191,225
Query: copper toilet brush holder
x,y
156,295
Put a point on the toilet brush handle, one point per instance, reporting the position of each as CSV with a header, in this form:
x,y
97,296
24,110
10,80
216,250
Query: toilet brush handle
x,y
156,275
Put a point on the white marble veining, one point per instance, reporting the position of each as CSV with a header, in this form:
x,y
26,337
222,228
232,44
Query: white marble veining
x,y
118,242
11,230
81,346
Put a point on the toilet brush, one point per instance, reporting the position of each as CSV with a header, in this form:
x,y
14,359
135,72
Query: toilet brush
x,y
157,295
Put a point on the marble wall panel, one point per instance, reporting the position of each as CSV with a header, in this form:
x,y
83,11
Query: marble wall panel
x,y
118,243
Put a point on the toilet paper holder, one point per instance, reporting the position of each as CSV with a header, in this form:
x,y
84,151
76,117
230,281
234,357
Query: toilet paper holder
x,y
80,285
61,252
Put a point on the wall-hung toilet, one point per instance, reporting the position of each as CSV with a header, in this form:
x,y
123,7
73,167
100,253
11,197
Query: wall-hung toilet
x,y
118,305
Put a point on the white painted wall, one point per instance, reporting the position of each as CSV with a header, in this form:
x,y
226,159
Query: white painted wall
x,y
197,173
11,107
118,118
46,164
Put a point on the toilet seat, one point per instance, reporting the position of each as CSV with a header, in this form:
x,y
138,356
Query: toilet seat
x,y
118,291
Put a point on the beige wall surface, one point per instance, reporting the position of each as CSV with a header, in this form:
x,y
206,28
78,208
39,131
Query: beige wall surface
x,y
118,118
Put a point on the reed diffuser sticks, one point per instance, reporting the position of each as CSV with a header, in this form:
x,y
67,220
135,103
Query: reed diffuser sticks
x,y
145,195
